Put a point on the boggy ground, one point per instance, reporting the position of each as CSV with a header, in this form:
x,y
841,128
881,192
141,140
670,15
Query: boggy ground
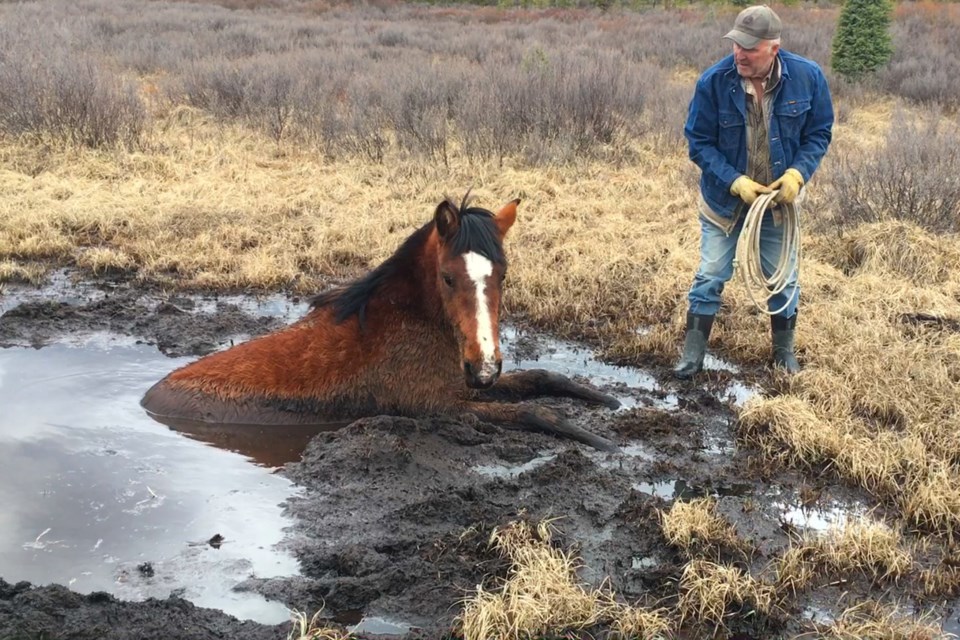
x,y
396,514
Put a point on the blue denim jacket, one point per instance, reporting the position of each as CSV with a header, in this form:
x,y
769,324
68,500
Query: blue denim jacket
x,y
716,130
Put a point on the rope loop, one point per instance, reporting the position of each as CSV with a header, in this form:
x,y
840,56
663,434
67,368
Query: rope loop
x,y
759,287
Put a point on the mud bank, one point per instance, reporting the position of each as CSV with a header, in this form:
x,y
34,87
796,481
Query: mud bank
x,y
392,523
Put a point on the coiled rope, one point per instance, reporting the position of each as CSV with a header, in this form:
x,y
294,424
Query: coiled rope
x,y
747,260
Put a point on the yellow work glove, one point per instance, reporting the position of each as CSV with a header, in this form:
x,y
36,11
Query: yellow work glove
x,y
747,189
789,185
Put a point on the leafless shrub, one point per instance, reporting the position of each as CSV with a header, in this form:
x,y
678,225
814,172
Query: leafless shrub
x,y
273,97
922,69
217,86
916,178
551,106
546,85
420,113
46,90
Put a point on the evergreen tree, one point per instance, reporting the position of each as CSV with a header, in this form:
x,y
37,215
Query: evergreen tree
x,y
862,42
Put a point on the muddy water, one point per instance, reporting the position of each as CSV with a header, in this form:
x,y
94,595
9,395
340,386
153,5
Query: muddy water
x,y
526,351
97,496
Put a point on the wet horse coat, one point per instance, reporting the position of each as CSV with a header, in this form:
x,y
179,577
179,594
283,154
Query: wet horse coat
x,y
417,335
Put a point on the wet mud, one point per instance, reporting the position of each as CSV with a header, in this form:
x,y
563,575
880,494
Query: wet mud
x,y
392,519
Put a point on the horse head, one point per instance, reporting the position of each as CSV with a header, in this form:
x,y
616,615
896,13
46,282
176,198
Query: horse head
x,y
471,267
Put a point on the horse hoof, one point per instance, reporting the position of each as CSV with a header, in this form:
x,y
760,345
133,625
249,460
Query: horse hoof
x,y
611,403
606,446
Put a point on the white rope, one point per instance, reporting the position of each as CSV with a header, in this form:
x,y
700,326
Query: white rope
x,y
747,261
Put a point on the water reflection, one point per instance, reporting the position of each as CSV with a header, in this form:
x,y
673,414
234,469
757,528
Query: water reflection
x,y
570,359
92,488
268,445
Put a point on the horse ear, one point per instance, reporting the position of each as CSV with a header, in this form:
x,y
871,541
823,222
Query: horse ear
x,y
506,216
447,219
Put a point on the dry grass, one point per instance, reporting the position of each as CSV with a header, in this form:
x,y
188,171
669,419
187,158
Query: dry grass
x,y
875,621
636,623
861,546
305,628
710,593
541,594
31,273
696,528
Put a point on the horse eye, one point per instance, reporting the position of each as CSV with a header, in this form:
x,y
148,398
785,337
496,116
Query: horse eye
x,y
448,279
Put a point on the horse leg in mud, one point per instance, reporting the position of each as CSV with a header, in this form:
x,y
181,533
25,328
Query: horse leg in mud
x,y
535,418
519,385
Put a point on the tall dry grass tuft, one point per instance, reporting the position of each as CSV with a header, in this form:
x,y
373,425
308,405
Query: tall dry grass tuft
x,y
899,249
304,628
695,527
542,596
942,580
636,623
873,620
867,546
858,547
28,273
710,594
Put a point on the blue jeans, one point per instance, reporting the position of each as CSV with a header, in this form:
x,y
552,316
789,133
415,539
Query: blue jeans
x,y
717,251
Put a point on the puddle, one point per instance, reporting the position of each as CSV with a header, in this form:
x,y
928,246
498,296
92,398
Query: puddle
x,y
739,393
571,359
637,450
98,496
951,623
270,446
374,626
818,616
818,519
679,489
506,471
271,306
719,444
59,286
356,622
646,563
667,489
713,363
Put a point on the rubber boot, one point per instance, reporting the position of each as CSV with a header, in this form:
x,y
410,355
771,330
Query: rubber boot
x,y
694,346
782,332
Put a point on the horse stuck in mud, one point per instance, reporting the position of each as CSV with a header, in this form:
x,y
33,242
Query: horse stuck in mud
x,y
417,335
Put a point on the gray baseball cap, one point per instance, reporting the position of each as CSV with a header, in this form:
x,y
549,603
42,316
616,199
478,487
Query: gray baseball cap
x,y
754,24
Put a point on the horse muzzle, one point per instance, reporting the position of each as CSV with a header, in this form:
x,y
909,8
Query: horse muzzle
x,y
484,376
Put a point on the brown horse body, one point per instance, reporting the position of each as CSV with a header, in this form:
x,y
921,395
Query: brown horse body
x,y
417,335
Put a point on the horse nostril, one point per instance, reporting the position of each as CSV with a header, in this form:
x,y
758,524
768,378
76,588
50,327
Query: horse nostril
x,y
468,369
499,367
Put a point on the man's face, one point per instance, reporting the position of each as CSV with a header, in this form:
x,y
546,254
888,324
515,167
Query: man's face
x,y
755,63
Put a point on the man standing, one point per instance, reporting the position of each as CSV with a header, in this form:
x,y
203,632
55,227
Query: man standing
x,y
760,120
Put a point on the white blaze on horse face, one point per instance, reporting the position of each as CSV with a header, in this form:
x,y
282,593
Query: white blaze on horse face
x,y
479,269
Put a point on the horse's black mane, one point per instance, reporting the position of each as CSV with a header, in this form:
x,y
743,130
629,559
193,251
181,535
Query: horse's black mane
x,y
477,232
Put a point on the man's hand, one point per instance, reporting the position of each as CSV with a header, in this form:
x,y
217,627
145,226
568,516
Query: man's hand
x,y
748,190
789,185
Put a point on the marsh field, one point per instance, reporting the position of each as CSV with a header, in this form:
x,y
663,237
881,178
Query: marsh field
x,y
176,176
